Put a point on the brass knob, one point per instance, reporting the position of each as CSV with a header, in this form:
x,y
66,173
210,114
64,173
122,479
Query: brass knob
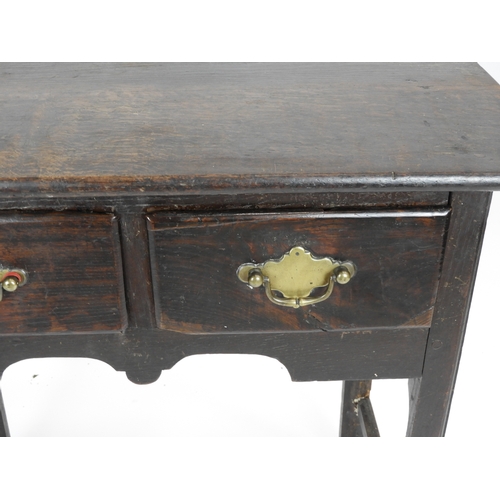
x,y
255,279
11,279
343,276
10,284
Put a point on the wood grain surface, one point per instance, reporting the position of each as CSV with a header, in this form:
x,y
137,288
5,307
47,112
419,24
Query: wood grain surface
x,y
74,273
195,258
104,127
287,200
131,193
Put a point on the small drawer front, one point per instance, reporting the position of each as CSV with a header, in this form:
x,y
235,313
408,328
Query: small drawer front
x,y
74,274
195,258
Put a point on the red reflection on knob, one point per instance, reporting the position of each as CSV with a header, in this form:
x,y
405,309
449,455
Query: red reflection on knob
x,y
13,274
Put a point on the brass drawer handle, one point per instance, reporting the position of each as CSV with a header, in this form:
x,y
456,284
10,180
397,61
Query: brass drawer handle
x,y
11,279
295,275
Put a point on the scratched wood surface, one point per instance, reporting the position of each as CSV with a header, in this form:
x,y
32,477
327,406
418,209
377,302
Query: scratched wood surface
x,y
243,127
74,271
214,202
195,258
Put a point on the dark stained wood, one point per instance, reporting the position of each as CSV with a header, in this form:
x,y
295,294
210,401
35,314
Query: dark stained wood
x,y
308,356
173,175
283,201
221,202
431,394
173,220
356,415
352,391
139,292
195,258
219,127
367,420
242,184
74,270
4,425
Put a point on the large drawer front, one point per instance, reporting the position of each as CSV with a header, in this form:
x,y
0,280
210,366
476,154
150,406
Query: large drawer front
x,y
197,290
74,274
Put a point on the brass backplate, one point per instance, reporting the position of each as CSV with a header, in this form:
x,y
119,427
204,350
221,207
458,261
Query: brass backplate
x,y
296,274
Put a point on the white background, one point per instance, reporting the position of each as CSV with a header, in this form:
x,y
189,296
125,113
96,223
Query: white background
x,y
245,395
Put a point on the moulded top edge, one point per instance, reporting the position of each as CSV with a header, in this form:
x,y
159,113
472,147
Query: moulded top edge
x,y
49,187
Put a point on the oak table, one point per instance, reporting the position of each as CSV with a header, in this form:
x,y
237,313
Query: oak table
x,y
326,215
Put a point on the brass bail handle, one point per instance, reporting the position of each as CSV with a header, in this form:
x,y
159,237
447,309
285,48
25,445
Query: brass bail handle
x,y
11,279
290,280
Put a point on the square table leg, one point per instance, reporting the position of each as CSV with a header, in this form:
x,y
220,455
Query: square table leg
x,y
431,394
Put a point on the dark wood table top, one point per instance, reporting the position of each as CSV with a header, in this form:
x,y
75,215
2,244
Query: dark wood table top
x,y
118,128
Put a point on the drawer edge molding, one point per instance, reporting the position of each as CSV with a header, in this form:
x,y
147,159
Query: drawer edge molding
x,y
164,221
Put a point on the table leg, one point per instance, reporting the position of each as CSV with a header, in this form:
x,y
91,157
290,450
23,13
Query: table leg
x,y
4,428
356,417
431,394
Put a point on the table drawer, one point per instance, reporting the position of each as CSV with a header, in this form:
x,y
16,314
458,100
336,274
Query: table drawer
x,y
195,258
74,273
